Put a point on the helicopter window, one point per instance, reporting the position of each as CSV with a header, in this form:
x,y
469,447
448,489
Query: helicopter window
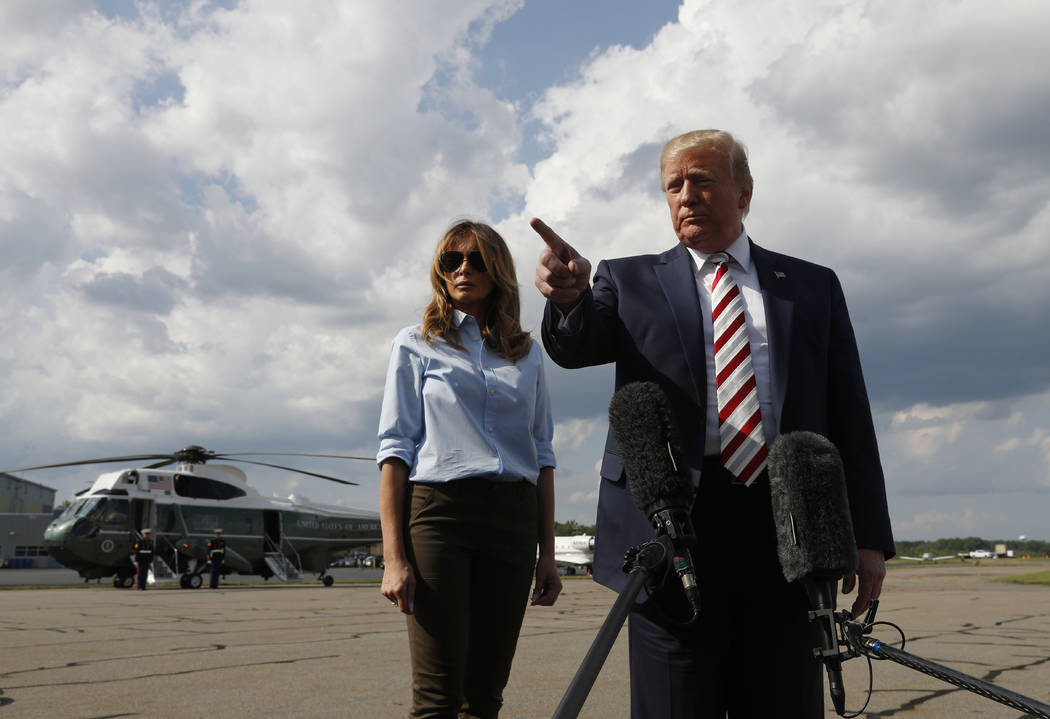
x,y
187,485
111,511
72,509
84,506
166,519
203,522
227,491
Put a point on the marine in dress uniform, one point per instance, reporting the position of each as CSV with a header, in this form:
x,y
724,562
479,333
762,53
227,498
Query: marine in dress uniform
x,y
143,557
216,555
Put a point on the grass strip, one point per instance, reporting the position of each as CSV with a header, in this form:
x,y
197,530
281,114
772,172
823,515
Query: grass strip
x,y
1042,578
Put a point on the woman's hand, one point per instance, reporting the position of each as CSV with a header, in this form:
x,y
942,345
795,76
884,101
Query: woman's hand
x,y
399,585
399,579
548,583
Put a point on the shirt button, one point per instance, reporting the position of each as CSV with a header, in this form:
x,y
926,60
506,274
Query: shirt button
x,y
490,429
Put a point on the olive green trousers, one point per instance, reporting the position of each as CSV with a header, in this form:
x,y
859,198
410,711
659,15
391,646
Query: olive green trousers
x,y
472,543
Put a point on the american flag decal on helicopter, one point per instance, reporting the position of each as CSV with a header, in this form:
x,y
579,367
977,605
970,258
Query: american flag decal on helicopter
x,y
159,482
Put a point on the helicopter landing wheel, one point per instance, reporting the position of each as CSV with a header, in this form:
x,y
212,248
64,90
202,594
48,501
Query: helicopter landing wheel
x,y
123,581
328,580
194,581
184,581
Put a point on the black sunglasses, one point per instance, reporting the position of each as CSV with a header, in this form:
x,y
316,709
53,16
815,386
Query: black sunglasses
x,y
453,259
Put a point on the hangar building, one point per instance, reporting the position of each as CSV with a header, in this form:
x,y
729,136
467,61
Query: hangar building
x,y
26,508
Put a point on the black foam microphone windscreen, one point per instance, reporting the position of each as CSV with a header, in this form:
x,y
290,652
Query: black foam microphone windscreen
x,y
808,491
645,432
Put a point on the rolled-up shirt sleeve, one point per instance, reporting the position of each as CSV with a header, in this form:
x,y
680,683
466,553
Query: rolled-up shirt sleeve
x,y
401,423
543,422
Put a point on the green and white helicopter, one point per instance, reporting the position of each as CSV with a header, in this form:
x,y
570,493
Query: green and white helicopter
x,y
183,506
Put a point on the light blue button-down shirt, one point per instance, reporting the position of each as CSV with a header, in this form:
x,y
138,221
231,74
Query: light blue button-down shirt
x,y
449,413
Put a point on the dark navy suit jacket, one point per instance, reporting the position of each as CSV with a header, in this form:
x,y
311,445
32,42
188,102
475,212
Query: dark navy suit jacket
x,y
643,313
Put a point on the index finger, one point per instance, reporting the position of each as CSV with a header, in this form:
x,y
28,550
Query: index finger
x,y
553,240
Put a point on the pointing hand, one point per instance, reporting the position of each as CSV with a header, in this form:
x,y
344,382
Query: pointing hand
x,y
561,273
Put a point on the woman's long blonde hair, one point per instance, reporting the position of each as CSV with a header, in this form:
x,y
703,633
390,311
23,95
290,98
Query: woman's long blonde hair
x,y
502,326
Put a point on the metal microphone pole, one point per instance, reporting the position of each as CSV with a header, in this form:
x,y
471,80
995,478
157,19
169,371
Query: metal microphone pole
x,y
652,559
947,674
870,645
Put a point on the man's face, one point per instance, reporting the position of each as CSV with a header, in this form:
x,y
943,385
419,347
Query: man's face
x,y
707,205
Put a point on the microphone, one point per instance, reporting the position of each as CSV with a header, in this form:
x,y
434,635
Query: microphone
x,y
815,542
647,436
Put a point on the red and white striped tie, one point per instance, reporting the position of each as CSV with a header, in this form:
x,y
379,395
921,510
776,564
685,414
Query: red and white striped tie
x,y
739,417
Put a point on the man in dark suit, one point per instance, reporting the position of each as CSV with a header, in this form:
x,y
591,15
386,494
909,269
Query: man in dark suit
x,y
750,652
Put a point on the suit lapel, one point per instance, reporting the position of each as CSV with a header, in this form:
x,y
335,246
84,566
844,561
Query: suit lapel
x,y
675,275
779,312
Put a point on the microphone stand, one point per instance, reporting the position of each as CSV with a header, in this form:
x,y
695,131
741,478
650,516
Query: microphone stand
x,y
648,561
821,594
855,635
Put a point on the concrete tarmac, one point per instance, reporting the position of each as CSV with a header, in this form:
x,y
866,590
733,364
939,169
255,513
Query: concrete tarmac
x,y
305,650
68,577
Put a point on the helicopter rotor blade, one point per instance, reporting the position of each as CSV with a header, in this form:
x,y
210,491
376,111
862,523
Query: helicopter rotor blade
x,y
101,460
293,469
202,455
294,454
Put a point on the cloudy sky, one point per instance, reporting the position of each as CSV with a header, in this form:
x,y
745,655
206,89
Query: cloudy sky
x,y
214,216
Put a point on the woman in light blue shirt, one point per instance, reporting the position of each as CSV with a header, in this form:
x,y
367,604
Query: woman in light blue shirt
x,y
467,478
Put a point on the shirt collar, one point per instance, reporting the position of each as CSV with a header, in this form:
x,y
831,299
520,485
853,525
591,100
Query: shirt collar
x,y
458,317
461,318
740,251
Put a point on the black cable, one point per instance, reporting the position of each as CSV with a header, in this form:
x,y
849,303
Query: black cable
x,y
863,652
871,690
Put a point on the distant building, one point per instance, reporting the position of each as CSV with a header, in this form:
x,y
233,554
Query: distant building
x,y
20,496
26,508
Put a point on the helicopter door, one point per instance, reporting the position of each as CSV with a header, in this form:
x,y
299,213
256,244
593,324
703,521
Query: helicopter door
x,y
272,530
143,514
281,566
